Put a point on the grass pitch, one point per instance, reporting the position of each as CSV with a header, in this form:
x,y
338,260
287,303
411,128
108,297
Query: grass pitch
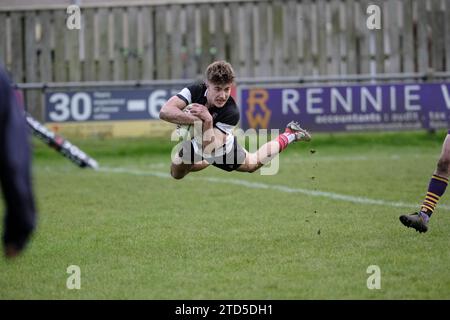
x,y
308,232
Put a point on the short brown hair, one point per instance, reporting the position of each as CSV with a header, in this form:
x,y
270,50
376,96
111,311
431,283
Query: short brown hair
x,y
220,72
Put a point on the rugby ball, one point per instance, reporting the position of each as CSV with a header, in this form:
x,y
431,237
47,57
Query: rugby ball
x,y
186,130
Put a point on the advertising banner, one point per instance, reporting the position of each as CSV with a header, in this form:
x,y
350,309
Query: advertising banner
x,y
348,107
105,105
108,112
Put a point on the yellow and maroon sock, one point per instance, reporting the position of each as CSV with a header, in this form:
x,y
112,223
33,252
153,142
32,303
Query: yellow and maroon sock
x,y
436,189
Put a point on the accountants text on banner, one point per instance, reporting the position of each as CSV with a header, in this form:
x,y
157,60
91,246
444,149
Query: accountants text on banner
x,y
348,107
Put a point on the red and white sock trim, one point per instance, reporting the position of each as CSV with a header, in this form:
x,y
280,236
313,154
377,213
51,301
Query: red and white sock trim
x,y
285,139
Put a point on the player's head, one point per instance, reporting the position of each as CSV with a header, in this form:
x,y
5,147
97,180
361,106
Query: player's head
x,y
219,80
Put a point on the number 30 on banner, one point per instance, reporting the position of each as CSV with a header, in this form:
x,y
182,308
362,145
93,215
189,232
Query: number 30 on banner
x,y
79,107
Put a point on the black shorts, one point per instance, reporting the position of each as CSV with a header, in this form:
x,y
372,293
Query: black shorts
x,y
228,162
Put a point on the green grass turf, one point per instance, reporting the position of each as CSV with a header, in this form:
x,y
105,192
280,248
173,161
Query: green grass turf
x,y
137,235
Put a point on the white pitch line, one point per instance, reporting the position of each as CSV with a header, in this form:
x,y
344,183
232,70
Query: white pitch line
x,y
318,158
281,188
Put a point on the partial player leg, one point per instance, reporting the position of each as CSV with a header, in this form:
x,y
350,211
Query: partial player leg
x,y
185,161
271,149
436,188
179,171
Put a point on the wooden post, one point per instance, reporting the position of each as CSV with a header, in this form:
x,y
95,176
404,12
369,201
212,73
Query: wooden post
x,y
306,17
72,54
394,37
205,57
89,73
31,62
176,43
3,39
218,38
379,40
246,34
118,45
364,35
407,37
263,45
437,37
191,49
422,36
350,38
322,37
235,45
17,48
102,46
133,54
290,38
335,34
299,38
277,40
162,68
45,46
148,55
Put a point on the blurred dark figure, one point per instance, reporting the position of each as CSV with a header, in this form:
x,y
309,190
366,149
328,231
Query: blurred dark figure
x,y
15,171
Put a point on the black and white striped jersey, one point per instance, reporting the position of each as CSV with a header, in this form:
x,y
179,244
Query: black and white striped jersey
x,y
224,119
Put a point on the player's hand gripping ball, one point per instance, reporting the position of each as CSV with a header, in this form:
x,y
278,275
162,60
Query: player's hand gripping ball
x,y
186,131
